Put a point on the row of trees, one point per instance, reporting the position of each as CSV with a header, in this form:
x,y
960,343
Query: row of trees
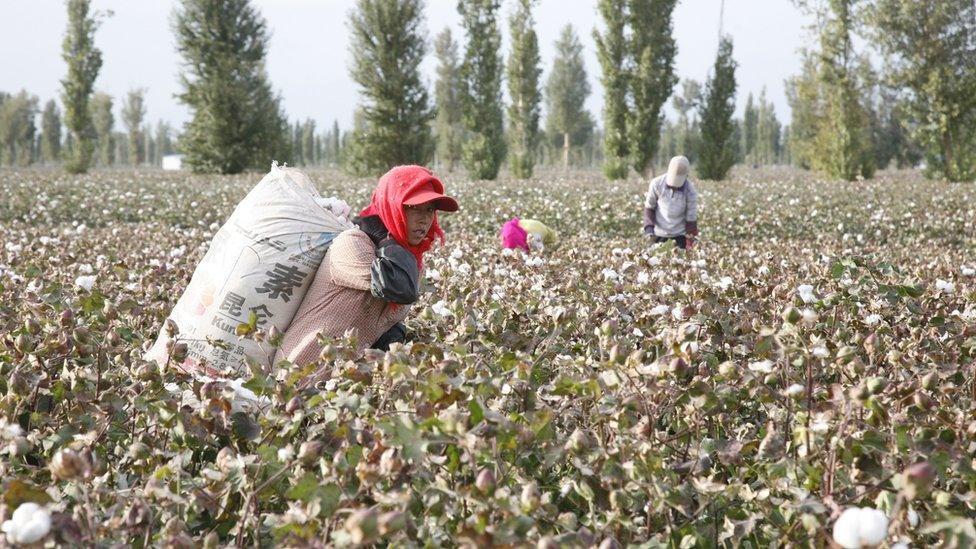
x,y
849,120
23,143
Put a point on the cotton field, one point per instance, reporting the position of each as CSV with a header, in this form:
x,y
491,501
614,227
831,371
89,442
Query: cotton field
x,y
809,362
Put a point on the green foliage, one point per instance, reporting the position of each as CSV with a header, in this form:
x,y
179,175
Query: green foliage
x,y
750,129
309,151
686,131
51,133
718,150
17,129
652,49
930,48
567,119
768,132
133,114
447,95
481,84
84,61
611,48
387,46
524,71
104,122
830,127
237,121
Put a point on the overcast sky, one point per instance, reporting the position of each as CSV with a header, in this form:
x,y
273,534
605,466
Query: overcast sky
x,y
309,48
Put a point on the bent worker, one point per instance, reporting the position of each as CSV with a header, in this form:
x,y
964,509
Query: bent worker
x,y
527,234
671,206
370,275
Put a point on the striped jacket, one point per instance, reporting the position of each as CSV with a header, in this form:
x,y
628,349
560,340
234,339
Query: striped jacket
x,y
355,289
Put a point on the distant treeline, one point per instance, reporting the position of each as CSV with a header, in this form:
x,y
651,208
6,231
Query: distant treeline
x,y
848,118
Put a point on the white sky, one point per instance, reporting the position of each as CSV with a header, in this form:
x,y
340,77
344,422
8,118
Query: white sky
x,y
308,56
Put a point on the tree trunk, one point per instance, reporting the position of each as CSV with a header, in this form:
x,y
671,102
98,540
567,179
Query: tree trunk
x,y
566,151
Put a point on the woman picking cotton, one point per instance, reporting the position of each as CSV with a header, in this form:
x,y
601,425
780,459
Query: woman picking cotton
x,y
370,275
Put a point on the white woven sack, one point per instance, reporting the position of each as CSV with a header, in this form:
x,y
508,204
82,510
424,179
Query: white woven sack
x,y
260,262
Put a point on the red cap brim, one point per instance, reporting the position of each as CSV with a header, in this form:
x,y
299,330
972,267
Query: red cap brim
x,y
442,202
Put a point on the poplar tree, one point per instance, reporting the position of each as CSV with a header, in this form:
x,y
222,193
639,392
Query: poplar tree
x,y
51,133
308,142
524,72
611,47
388,45
447,90
104,122
930,49
237,121
17,129
84,61
843,142
133,113
652,50
481,84
718,149
750,129
686,130
566,92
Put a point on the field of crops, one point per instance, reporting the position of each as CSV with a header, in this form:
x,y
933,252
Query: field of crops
x,y
816,352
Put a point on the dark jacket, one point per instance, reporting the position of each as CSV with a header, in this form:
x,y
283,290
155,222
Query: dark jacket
x,y
394,274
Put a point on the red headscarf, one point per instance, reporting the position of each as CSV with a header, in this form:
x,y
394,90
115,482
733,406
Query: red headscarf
x,y
393,188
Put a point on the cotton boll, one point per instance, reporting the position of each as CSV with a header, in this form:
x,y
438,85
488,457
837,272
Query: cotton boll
x,y
944,286
29,524
85,282
805,291
860,527
440,309
872,319
968,271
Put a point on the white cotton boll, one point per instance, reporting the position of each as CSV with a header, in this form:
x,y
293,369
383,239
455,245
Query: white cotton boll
x,y
637,332
795,390
763,270
609,274
809,316
724,283
534,261
643,277
667,289
900,545
968,271
913,518
660,310
860,527
463,268
29,524
654,261
177,252
433,274
440,309
457,254
872,319
286,453
945,286
14,248
85,282
762,366
820,352
677,313
805,292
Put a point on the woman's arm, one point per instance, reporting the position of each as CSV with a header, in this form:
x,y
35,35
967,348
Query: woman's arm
x,y
350,257
394,274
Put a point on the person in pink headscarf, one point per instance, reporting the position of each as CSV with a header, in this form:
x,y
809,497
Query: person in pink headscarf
x,y
514,236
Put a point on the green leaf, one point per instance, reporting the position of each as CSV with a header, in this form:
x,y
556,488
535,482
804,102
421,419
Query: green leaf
x,y
20,491
477,412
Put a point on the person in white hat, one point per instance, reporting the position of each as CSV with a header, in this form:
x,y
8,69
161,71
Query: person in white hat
x,y
671,206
